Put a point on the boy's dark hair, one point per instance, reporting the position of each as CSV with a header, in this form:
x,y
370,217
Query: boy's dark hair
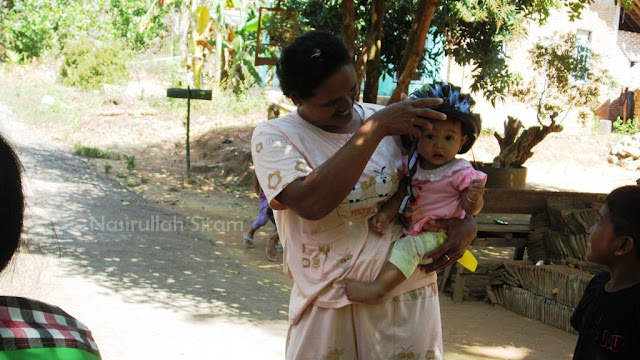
x,y
309,61
457,106
11,202
624,207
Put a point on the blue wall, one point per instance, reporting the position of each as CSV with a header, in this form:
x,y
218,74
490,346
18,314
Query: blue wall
x,y
434,46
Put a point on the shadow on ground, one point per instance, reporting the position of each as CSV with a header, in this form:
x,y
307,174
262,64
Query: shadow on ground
x,y
138,249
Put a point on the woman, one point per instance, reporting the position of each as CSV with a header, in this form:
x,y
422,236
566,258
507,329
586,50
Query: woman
x,y
30,329
326,170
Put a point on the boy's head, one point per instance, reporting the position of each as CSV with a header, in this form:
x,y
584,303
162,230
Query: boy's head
x,y
457,106
617,232
12,202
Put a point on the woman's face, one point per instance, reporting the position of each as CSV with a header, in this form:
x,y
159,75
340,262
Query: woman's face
x,y
331,108
441,144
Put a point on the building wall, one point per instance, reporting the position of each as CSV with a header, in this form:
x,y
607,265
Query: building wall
x,y
617,49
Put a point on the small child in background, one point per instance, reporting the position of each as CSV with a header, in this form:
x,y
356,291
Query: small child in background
x,y
608,315
265,213
446,187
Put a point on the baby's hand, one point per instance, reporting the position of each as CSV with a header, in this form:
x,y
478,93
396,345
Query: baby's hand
x,y
379,223
475,190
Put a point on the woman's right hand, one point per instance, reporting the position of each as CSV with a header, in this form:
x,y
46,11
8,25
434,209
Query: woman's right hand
x,y
409,116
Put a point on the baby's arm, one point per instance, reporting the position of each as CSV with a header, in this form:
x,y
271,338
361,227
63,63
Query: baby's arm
x,y
388,212
472,200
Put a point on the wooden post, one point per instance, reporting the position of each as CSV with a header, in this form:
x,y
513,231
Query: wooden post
x,y
189,94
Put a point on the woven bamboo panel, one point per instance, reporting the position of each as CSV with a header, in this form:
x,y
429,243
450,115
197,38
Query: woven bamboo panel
x,y
559,283
526,303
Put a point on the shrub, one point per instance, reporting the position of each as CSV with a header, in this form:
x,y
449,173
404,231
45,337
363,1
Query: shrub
x,y
92,152
89,65
629,127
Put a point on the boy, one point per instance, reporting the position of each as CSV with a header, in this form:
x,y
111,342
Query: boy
x,y
608,316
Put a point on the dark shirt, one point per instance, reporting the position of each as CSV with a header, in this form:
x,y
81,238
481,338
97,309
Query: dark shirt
x,y
608,323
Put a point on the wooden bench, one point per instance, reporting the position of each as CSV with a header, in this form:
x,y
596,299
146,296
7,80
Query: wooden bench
x,y
515,207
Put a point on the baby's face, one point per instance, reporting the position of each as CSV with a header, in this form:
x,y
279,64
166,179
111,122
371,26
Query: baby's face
x,y
440,145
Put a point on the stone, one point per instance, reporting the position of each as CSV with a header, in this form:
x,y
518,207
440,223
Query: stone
x,y
634,152
48,100
202,168
634,165
626,162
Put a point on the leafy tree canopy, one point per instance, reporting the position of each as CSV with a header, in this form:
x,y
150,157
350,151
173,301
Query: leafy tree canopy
x,y
474,31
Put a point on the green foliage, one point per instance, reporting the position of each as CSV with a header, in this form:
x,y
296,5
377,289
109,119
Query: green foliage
x,y
26,28
107,168
240,73
138,22
565,78
628,127
131,162
474,32
93,153
31,28
88,64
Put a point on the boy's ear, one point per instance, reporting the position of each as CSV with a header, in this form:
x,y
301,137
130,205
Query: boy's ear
x,y
295,99
625,245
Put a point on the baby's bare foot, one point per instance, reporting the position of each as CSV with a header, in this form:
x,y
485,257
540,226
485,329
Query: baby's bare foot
x,y
364,292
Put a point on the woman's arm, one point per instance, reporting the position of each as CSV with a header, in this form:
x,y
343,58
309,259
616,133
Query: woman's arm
x,y
317,194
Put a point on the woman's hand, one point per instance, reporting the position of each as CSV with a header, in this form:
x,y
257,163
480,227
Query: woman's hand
x,y
409,116
461,233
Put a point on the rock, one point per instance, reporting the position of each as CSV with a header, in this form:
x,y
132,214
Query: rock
x,y
48,100
634,165
121,174
634,152
626,152
626,162
612,159
133,182
616,149
202,168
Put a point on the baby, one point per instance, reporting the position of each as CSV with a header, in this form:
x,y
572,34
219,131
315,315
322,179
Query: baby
x,y
445,187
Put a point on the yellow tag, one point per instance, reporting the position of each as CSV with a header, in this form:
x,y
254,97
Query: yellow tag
x,y
468,261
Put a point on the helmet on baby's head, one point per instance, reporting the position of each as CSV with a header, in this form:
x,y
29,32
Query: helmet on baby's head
x,y
456,106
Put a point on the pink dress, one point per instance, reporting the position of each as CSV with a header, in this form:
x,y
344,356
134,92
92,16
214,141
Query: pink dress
x,y
320,255
437,194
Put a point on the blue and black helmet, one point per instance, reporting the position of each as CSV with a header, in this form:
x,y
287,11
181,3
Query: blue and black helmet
x,y
456,106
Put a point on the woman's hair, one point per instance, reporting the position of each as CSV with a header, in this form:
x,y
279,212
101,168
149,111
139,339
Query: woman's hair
x,y
624,208
308,62
11,202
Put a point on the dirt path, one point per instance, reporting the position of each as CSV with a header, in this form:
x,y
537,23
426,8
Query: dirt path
x,y
168,290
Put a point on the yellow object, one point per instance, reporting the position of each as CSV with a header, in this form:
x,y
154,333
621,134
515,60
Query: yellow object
x,y
203,16
468,261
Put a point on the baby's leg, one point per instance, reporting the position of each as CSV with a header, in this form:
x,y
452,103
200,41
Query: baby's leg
x,y
405,256
373,292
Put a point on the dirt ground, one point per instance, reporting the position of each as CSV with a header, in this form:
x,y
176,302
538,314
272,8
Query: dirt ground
x,y
219,188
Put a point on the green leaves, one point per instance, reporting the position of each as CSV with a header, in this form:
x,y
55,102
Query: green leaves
x,y
567,76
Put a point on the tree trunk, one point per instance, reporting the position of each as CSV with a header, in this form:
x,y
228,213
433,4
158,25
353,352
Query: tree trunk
x,y
511,129
515,151
415,47
373,60
349,32
361,63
